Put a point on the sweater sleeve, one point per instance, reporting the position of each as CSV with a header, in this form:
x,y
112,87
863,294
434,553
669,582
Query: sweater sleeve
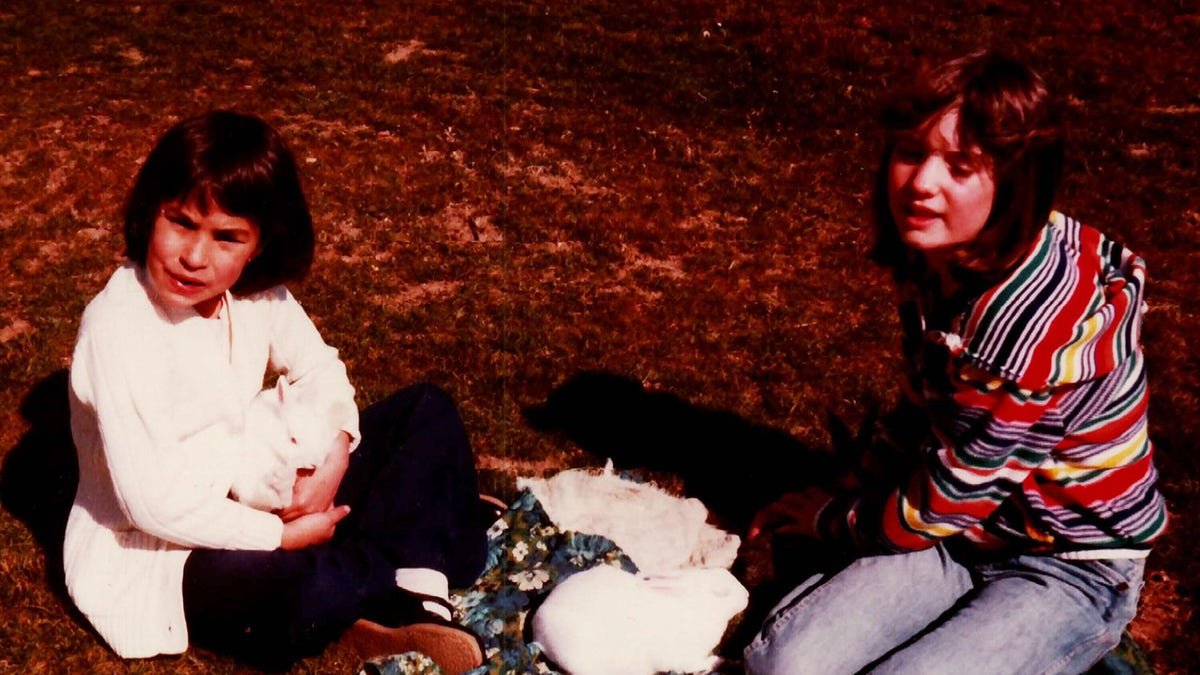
x,y
120,386
299,353
990,436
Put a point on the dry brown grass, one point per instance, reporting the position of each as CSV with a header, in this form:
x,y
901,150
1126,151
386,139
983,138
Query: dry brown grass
x,y
510,193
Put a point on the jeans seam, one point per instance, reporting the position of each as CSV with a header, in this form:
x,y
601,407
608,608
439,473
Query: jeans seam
x,y
1120,586
782,616
1111,575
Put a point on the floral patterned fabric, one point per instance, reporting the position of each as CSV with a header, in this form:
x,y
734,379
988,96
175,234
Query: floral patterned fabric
x,y
527,557
409,663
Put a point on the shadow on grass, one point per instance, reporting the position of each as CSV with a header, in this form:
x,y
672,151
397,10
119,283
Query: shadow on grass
x,y
732,465
40,474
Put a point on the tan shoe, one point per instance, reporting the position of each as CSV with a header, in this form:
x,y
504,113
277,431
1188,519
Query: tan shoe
x,y
453,649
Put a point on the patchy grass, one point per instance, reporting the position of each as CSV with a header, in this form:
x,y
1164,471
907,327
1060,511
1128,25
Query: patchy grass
x,y
509,193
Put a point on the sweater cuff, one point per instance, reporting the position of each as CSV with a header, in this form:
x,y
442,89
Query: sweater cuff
x,y
260,531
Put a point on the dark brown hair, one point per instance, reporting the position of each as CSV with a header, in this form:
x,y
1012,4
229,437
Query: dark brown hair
x,y
1005,110
240,164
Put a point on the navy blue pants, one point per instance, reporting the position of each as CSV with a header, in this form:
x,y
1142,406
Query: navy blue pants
x,y
411,487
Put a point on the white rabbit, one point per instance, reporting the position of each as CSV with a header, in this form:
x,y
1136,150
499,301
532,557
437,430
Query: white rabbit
x,y
605,621
282,434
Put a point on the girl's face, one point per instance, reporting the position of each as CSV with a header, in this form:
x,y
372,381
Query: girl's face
x,y
196,254
940,194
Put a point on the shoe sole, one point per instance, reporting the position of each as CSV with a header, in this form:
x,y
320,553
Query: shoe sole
x,y
453,649
494,502
492,507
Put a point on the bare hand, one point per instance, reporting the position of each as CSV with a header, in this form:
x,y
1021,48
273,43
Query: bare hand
x,y
312,529
315,489
794,513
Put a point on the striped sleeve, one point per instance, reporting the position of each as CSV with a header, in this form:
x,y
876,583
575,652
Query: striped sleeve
x,y
992,437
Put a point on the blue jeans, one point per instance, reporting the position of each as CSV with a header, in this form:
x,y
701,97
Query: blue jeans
x,y
926,612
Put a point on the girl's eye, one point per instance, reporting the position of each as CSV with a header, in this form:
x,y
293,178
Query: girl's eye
x,y
231,237
961,169
967,165
963,164
181,222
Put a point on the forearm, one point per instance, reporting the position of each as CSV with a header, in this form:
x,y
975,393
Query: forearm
x,y
315,492
991,436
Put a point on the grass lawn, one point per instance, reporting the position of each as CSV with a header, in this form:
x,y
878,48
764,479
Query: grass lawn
x,y
511,193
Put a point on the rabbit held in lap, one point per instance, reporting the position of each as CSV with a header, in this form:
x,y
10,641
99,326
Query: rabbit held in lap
x,y
605,621
282,435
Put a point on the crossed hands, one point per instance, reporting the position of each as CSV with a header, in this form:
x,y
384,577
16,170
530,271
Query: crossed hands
x,y
311,519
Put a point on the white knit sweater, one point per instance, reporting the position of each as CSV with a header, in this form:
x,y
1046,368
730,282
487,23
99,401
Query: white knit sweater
x,y
157,401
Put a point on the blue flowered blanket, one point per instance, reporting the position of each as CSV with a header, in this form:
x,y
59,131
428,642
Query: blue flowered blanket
x,y
527,557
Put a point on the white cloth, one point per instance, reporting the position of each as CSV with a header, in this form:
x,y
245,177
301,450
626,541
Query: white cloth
x,y
157,403
660,532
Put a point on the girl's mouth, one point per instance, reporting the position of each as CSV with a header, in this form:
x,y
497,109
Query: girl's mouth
x,y
920,215
183,284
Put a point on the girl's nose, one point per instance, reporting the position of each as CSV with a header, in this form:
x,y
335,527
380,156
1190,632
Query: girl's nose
x,y
195,253
926,177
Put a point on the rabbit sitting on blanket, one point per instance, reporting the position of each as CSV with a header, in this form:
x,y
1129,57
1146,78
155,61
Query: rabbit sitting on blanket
x,y
671,616
605,621
282,434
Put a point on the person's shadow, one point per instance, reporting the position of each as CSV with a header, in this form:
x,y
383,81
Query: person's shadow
x,y
732,465
735,467
40,474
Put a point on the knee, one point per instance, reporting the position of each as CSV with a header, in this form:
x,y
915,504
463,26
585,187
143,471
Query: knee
x,y
762,657
414,406
422,391
433,396
765,654
425,398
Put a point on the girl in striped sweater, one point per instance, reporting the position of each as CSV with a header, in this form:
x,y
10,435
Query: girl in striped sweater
x,y
1016,538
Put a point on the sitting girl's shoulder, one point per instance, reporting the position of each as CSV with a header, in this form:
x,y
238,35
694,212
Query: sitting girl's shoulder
x,y
272,295
123,298
267,304
1069,312
1091,250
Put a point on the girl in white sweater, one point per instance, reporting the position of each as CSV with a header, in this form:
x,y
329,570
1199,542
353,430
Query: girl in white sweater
x,y
168,356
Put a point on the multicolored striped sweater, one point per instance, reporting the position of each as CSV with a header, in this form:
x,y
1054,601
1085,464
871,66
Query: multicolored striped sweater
x,y
1036,397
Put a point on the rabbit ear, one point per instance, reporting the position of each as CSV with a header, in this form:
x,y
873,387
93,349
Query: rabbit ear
x,y
281,387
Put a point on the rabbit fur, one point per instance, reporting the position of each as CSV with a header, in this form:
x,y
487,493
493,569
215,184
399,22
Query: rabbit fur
x,y
605,621
282,434
670,616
